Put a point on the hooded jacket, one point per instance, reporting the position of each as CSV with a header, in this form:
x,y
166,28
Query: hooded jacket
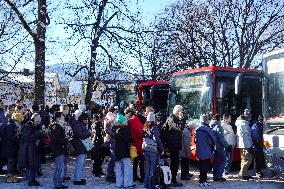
x,y
205,142
229,134
243,134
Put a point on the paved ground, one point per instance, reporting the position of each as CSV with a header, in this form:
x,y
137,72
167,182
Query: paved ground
x,y
100,183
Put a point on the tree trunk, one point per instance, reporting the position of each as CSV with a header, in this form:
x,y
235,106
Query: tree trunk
x,y
39,42
92,72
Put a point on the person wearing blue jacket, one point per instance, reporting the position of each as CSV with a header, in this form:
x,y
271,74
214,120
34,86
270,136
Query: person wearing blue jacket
x,y
257,142
205,145
221,147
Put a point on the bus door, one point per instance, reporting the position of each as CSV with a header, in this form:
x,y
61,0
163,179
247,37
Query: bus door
x,y
159,96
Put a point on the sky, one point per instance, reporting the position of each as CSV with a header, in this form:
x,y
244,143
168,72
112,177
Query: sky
x,y
56,32
149,8
152,7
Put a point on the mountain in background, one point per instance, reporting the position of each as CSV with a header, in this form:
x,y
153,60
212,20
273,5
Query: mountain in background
x,y
65,69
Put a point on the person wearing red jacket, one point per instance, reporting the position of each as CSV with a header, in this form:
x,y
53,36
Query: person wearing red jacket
x,y
136,127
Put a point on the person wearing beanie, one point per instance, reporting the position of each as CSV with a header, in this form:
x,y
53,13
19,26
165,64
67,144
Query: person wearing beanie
x,y
151,136
244,143
77,114
151,117
10,144
171,135
205,145
123,140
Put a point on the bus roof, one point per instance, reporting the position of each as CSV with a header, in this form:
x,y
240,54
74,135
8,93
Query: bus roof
x,y
150,83
217,68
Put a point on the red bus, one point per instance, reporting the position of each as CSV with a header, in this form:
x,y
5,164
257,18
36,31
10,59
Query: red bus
x,y
144,93
213,89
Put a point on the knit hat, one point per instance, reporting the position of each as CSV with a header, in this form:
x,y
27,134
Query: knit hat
x,y
247,113
77,114
82,107
18,117
151,116
120,118
204,119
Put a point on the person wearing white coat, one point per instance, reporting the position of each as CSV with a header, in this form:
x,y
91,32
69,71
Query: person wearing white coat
x,y
230,137
244,143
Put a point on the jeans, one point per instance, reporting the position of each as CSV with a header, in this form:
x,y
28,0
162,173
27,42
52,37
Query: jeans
x,y
111,164
228,162
11,165
219,163
79,167
139,160
59,171
151,160
204,167
123,173
31,174
174,157
65,166
184,166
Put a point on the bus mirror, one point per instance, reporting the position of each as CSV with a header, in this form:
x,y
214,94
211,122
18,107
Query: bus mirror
x,y
238,82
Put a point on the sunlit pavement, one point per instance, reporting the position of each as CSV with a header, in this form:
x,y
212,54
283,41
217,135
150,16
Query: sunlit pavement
x,y
100,183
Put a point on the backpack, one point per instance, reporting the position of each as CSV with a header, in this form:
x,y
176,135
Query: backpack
x,y
149,145
162,177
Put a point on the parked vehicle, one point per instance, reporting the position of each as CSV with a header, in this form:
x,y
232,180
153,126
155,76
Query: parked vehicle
x,y
273,65
213,89
143,93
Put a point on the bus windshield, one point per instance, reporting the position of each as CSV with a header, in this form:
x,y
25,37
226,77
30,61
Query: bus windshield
x,y
127,95
194,91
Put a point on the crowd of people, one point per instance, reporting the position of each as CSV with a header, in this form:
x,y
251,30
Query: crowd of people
x,y
28,135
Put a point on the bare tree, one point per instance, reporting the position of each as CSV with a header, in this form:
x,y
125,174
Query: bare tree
x,y
231,33
110,31
38,37
13,44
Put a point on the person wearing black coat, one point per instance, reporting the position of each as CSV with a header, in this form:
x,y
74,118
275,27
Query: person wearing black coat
x,y
58,145
81,132
123,140
171,135
29,152
10,144
98,152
